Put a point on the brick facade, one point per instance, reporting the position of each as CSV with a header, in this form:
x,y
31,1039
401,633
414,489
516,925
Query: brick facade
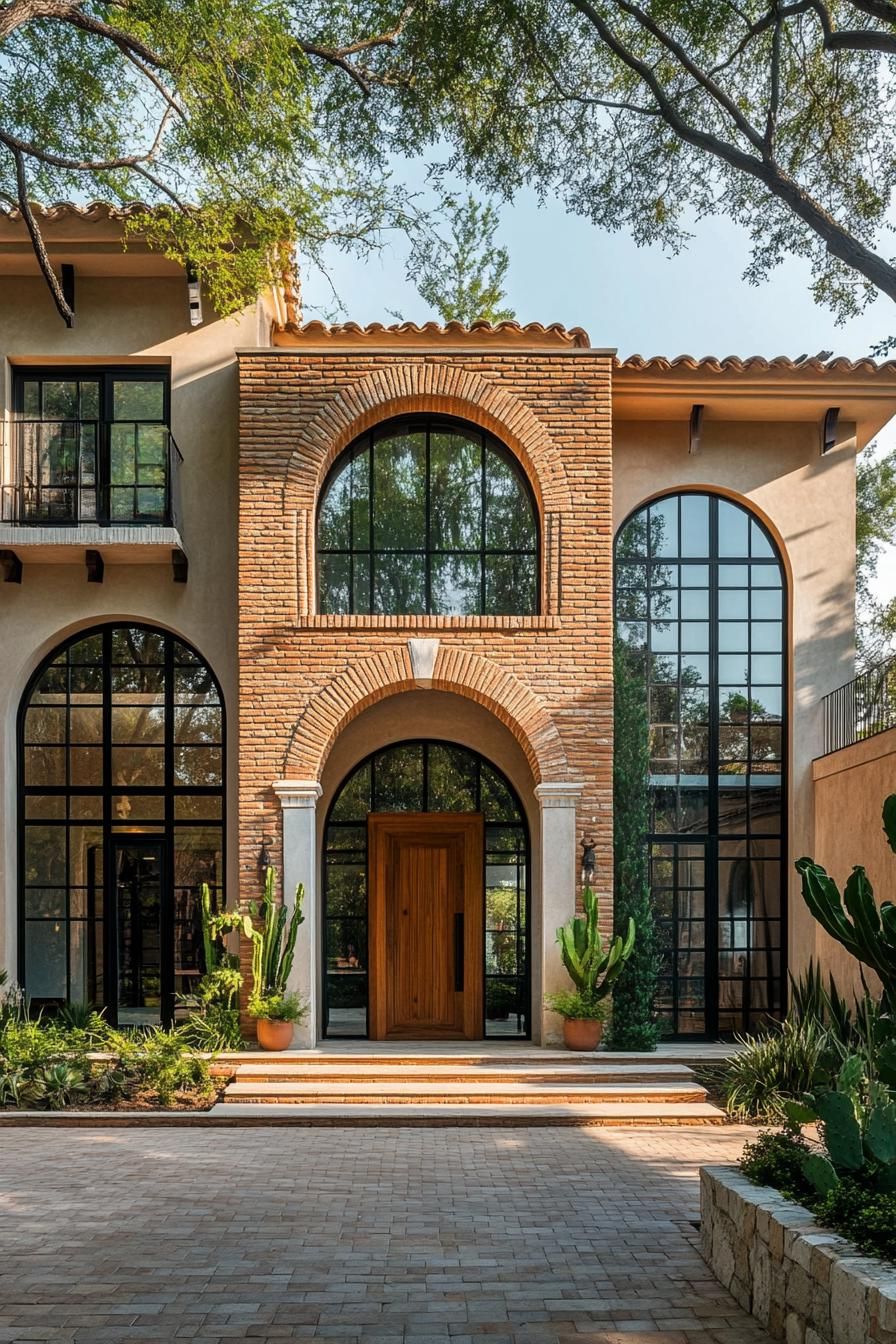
x,y
303,677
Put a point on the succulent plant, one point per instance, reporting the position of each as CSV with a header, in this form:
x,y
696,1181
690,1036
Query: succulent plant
x,y
858,1130
273,945
592,965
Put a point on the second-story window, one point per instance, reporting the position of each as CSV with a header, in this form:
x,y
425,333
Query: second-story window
x,y
91,446
427,515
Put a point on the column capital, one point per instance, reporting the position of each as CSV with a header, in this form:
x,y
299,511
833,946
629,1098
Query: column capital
x,y
564,793
297,792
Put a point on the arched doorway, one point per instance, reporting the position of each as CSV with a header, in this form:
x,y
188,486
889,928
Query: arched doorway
x,y
121,820
701,612
381,936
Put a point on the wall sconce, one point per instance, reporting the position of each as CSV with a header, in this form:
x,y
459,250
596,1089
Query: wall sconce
x,y
589,862
264,854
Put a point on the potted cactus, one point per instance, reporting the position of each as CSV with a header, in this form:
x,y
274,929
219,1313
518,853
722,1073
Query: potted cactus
x,y
274,1008
593,968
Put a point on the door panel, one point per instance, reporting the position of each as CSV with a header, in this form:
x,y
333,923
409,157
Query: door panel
x,y
142,933
426,894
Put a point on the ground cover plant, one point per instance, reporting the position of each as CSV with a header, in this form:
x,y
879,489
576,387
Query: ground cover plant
x,y
77,1059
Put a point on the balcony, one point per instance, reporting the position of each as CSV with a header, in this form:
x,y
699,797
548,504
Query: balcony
x,y
84,491
862,708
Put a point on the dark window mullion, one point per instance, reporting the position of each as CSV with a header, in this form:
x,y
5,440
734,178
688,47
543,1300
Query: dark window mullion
x,y
711,863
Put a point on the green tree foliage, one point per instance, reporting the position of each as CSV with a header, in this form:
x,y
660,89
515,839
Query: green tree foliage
x,y
275,119
242,121
462,276
634,1025
646,115
875,530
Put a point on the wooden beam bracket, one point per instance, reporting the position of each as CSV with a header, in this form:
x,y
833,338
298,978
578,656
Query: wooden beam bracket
x,y
95,566
829,429
695,429
12,566
180,565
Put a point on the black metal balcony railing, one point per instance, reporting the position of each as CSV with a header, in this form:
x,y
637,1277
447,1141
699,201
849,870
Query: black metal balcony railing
x,y
864,706
68,472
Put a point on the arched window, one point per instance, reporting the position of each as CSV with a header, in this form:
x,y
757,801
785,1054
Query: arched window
x,y
427,776
701,611
121,807
427,515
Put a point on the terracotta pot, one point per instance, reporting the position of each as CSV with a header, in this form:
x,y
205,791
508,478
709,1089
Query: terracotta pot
x,y
274,1035
582,1033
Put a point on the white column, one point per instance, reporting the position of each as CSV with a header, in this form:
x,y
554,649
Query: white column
x,y
559,875
298,799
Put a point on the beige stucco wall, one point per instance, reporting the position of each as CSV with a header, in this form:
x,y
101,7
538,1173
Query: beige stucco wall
x,y
850,787
809,502
121,317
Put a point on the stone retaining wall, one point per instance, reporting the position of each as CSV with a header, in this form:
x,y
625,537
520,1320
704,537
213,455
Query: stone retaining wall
x,y
802,1282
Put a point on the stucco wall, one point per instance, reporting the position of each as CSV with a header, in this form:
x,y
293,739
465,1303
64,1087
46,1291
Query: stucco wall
x,y
809,503
116,318
850,787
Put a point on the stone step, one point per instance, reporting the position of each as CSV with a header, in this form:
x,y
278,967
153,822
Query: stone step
x,y
362,1071
463,1093
457,1116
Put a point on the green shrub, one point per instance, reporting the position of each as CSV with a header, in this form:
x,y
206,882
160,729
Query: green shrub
x,y
776,1158
572,1004
216,1027
866,1217
788,1060
278,1007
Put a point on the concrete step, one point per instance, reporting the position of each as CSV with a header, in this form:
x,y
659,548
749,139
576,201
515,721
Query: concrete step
x,y
362,1071
413,1091
457,1116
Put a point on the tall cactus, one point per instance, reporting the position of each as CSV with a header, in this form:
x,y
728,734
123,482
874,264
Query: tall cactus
x,y
273,945
591,965
854,919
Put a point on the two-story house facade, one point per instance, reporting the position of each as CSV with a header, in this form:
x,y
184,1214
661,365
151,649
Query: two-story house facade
x,y
343,599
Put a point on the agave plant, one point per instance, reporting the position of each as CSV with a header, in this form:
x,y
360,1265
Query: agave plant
x,y
593,965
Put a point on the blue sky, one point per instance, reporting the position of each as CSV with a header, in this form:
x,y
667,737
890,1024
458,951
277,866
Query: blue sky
x,y
563,269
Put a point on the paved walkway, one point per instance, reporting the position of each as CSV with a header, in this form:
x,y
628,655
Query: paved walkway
x,y
429,1236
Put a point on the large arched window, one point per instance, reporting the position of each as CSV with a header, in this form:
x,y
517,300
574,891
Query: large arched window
x,y
428,776
701,611
121,750
427,515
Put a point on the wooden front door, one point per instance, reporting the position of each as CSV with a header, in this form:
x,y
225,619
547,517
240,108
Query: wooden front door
x,y
426,921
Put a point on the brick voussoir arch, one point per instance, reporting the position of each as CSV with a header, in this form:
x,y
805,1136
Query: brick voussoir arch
x,y
442,389
389,672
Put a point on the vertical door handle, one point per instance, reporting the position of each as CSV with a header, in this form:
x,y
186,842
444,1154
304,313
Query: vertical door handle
x,y
458,952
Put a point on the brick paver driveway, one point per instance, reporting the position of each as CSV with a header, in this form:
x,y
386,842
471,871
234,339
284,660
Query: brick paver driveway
x,y
548,1236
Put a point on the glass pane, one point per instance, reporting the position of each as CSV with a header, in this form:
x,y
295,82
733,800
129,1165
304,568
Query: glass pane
x,y
452,780
198,766
353,802
694,525
45,961
347,1003
456,584
334,519
510,585
455,507
334,583
346,888
664,527
509,521
134,399
733,530
138,766
398,780
399,584
198,723
399,485
60,400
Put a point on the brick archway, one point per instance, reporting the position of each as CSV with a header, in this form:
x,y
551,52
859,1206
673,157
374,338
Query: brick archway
x,y
390,672
442,389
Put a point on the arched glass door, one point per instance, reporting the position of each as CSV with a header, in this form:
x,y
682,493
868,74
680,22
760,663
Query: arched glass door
x,y
426,777
121,814
701,611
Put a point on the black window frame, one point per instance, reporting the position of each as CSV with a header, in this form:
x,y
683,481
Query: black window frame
x,y
428,424
106,375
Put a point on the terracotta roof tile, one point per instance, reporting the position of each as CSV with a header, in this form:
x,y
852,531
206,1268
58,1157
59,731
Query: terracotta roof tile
x,y
407,331
91,212
754,364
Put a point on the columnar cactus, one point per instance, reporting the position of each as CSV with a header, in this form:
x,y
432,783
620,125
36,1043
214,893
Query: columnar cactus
x,y
854,919
592,966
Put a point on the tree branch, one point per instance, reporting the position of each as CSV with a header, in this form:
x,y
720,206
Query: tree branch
x,y
839,242
37,241
18,12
